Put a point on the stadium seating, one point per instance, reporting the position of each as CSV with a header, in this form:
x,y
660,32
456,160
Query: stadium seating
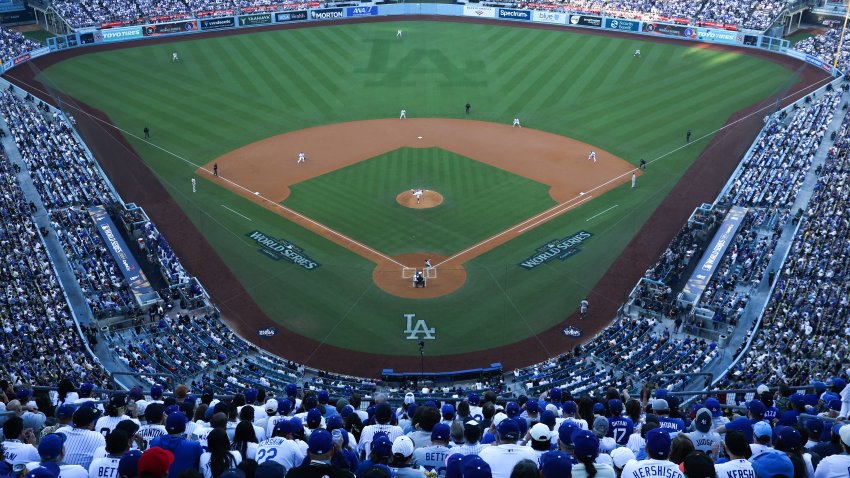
x,y
13,44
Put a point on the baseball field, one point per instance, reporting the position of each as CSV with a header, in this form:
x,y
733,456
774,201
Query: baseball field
x,y
520,223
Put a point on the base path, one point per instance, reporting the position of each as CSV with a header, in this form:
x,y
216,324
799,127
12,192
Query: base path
x,y
264,171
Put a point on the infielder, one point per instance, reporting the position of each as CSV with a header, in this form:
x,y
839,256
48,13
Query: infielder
x,y
637,53
403,114
516,122
174,57
592,156
301,157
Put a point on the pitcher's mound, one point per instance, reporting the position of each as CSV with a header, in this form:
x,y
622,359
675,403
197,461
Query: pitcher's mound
x,y
428,199
447,278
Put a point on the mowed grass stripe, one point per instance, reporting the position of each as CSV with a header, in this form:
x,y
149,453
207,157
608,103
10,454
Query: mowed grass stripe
x,y
288,67
264,68
318,64
531,78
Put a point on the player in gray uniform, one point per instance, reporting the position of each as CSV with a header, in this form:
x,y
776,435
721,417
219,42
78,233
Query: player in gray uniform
x,y
433,457
704,438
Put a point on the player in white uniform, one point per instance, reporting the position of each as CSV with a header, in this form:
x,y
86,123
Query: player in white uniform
x,y
301,157
403,114
835,466
398,33
583,308
516,122
18,448
174,57
592,156
417,193
637,53
658,444
281,447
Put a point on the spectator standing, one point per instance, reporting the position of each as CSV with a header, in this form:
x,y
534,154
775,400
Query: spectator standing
x,y
184,453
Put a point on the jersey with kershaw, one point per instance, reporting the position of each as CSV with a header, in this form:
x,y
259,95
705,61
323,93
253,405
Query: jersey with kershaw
x,y
106,467
149,432
834,466
502,458
735,469
368,434
651,468
105,425
704,441
433,458
80,444
65,471
19,453
279,449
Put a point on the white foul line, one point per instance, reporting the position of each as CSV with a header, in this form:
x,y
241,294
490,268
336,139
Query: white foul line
x,y
555,214
234,212
601,213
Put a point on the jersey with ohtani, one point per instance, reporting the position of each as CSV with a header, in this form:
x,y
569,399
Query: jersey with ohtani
x,y
279,449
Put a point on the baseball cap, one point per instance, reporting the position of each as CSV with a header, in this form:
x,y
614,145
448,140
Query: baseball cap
x,y
835,405
271,405
756,408
383,413
497,418
251,395
314,418
176,423
118,400
772,464
508,429
540,432
64,411
548,417
788,418
661,393
555,394
23,395
556,464
47,470
698,465
569,407
615,406
86,388
291,390
713,405
323,396
658,443
586,444
600,426
382,446
172,409
284,406
762,388
454,465
83,416
128,464
660,405
512,409
621,456
598,408
762,429
156,461
532,406
153,412
473,399
796,398
702,422
403,446
320,442
128,426
565,431
441,431
409,398
136,393
836,383
844,433
50,446
790,437
475,467
819,386
334,422
815,428
743,425
269,469
448,411
156,392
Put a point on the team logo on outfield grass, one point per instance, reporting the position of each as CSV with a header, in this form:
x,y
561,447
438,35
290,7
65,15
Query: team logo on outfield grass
x,y
278,249
558,248
421,327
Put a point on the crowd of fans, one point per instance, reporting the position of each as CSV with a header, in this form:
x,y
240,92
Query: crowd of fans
x,y
825,45
255,433
39,341
13,44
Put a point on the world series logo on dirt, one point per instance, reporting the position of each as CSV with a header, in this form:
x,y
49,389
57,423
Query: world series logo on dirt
x,y
571,331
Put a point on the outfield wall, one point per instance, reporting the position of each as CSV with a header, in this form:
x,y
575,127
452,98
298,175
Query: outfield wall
x,y
720,36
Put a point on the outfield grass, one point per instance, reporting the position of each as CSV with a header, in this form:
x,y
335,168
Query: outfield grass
x,y
479,201
232,91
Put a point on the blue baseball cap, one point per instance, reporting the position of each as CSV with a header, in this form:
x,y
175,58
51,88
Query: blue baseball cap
x,y
441,432
64,411
713,405
756,408
86,388
284,406
565,431
46,470
314,418
556,464
512,409
323,396
771,464
585,444
658,443
447,411
815,428
474,466
532,406
598,408
569,407
473,399
320,442
508,429
382,446
291,390
50,447
548,417
555,393
156,392
128,465
744,425
176,423
762,429
615,406
790,437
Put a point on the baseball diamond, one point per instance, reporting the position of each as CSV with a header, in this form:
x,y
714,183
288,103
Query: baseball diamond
x,y
505,191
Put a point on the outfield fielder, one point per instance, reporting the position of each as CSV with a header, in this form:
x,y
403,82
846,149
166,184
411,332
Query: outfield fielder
x,y
398,33
516,122
403,114
174,57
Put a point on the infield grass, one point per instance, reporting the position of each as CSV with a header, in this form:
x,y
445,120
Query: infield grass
x,y
231,91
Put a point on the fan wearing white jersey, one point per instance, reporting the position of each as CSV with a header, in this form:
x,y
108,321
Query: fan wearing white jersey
x,y
51,452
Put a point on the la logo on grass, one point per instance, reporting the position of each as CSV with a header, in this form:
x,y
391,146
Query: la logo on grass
x,y
421,327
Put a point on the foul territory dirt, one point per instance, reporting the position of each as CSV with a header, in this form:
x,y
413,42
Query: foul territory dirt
x,y
264,171
137,183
